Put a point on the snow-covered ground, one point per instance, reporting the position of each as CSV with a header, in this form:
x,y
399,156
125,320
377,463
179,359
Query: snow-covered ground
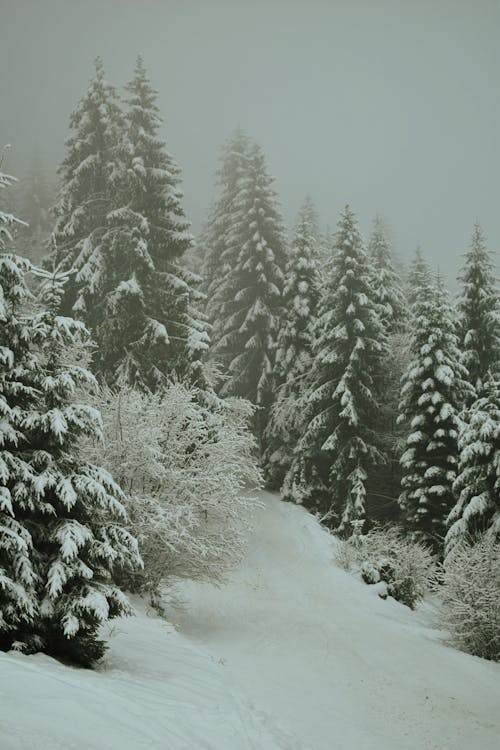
x,y
291,654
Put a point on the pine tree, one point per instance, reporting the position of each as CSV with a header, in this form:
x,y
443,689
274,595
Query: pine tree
x,y
479,310
477,486
419,277
250,301
77,516
18,605
384,480
88,175
432,396
34,206
388,288
149,326
62,541
340,442
294,347
326,241
218,256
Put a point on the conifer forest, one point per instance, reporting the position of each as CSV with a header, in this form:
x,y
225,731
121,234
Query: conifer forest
x,y
249,432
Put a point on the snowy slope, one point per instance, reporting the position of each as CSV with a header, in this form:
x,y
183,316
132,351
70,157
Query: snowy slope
x,y
292,654
336,664
156,690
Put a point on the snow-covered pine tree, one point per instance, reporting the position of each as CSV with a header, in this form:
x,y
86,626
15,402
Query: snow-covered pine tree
x,y
419,277
218,256
386,282
384,480
87,191
340,442
251,290
477,486
76,518
294,348
479,312
70,512
18,602
432,395
149,327
62,541
326,241
34,203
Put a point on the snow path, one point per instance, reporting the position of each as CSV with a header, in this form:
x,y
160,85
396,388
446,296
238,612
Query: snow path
x,y
329,659
291,654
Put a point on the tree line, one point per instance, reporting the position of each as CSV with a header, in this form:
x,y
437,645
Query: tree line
x,y
374,397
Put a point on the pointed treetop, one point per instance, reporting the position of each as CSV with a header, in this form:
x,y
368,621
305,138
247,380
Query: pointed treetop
x,y
234,153
419,277
386,280
144,112
308,214
99,67
140,67
478,241
479,308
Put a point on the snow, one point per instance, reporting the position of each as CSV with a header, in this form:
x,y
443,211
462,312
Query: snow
x,y
292,654
156,690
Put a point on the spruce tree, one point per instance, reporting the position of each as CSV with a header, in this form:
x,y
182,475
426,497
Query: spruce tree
x,y
77,518
419,277
384,479
218,255
62,539
387,285
149,327
432,396
87,175
477,486
340,443
34,206
18,602
479,311
294,347
326,241
250,295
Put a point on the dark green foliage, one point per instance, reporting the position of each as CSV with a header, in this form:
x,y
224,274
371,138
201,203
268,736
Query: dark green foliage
x,y
149,329
122,227
477,486
479,313
61,535
294,356
387,285
35,201
249,302
87,175
419,277
219,248
433,392
340,442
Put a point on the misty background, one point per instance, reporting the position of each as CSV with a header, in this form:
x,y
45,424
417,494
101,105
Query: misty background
x,y
390,105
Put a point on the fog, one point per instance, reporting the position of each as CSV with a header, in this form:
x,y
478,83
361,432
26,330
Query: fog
x,y
390,105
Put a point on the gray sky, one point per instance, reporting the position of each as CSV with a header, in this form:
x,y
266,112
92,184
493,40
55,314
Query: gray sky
x,y
390,105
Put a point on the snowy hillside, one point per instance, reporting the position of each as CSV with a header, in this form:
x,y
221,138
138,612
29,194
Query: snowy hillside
x,y
292,654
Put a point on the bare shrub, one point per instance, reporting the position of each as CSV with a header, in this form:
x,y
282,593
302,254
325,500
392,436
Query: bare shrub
x,y
187,471
386,554
470,596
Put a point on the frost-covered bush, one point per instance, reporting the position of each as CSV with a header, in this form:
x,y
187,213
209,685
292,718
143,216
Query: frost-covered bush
x,y
385,554
186,469
470,595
